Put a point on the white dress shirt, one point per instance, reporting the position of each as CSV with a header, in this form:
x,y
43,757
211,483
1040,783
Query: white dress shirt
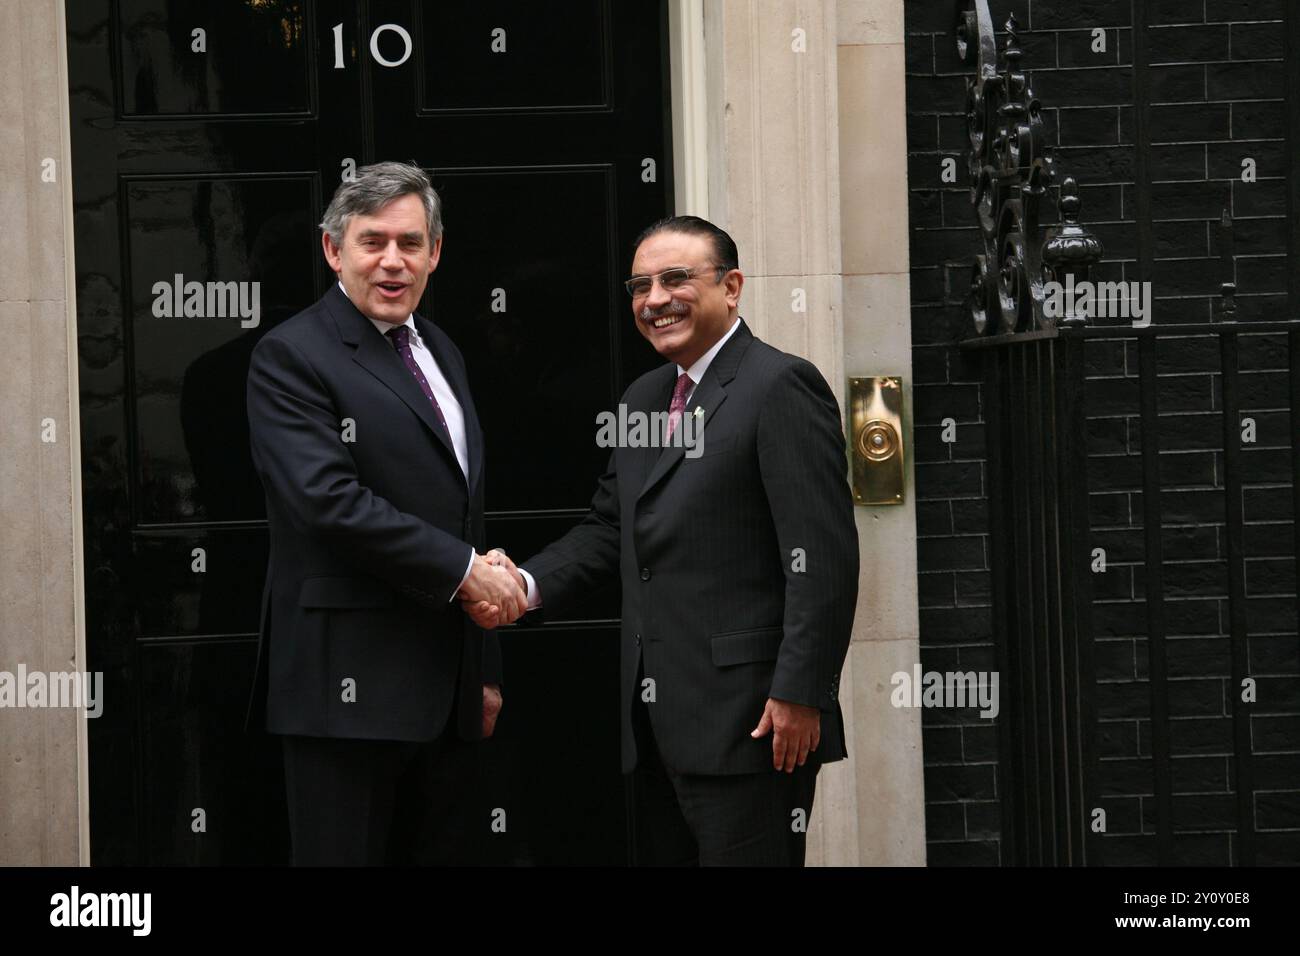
x,y
451,410
696,372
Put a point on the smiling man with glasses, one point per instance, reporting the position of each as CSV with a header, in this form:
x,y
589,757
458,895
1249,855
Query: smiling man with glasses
x,y
739,570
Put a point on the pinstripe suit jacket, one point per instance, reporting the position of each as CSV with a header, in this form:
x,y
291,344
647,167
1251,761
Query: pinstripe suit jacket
x,y
739,566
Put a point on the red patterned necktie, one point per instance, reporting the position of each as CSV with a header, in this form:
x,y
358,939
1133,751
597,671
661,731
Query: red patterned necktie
x,y
402,336
684,383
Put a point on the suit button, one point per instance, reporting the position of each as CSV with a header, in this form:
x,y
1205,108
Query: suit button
x,y
637,640
645,574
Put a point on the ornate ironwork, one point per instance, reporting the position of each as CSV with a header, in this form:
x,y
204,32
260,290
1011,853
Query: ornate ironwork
x,y
1011,168
1034,399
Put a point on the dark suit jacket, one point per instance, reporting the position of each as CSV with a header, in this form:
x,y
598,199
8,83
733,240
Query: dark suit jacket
x,y
719,607
369,538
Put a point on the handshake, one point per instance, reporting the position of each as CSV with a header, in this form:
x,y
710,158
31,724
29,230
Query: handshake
x,y
494,594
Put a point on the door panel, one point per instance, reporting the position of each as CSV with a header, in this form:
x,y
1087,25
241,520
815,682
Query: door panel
x,y
533,319
162,72
215,165
563,52
197,465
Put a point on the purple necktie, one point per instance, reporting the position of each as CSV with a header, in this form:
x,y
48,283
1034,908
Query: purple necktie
x,y
684,383
402,336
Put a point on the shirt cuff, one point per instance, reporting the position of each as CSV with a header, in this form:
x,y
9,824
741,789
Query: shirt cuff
x,y
534,595
468,568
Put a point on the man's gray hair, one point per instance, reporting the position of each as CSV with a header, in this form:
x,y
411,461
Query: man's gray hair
x,y
374,187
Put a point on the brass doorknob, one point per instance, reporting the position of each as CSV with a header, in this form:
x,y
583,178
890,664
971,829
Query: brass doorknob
x,y
877,440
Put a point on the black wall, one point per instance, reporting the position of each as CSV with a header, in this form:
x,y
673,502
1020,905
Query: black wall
x,y
1218,87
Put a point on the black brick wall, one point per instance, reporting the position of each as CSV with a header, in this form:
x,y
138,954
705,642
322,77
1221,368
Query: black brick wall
x,y
1217,81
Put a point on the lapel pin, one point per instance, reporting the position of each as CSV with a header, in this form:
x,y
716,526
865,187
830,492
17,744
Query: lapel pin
x,y
698,411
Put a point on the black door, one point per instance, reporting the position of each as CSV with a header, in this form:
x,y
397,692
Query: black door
x,y
206,140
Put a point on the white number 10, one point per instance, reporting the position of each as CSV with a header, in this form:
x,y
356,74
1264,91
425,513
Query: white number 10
x,y
374,45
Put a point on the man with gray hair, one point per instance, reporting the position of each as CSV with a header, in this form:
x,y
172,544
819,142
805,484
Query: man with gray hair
x,y
364,434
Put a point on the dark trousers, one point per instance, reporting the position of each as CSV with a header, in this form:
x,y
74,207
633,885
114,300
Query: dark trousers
x,y
379,802
716,820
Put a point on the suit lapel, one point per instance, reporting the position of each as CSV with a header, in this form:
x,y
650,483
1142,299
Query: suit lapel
x,y
709,394
661,394
705,401
381,360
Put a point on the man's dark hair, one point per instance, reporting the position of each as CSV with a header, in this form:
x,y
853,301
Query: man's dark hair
x,y
725,255
374,187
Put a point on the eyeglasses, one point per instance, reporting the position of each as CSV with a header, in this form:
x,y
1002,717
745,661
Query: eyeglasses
x,y
671,279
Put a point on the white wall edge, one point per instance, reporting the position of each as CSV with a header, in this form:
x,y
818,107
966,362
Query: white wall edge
x,y
74,429
689,83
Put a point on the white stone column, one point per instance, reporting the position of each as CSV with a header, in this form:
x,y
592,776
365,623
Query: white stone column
x,y
774,168
890,786
43,807
807,170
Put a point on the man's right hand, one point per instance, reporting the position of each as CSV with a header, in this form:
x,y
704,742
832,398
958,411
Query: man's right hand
x,y
501,559
492,595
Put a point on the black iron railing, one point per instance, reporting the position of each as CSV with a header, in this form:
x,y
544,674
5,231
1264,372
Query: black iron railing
x,y
1041,532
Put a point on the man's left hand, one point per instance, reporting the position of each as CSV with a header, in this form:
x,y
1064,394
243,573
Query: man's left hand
x,y
796,731
491,707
